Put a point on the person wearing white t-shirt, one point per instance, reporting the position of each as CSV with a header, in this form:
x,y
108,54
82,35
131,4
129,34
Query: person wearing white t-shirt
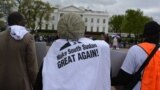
x,y
136,56
74,62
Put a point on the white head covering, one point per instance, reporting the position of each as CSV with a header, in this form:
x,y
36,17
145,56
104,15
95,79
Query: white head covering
x,y
71,26
17,32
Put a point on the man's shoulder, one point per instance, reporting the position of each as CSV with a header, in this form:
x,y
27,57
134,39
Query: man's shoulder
x,y
135,49
28,37
101,43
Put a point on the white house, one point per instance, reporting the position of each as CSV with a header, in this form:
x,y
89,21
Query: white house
x,y
95,21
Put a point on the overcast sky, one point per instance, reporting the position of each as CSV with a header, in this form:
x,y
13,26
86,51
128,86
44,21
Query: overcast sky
x,y
149,7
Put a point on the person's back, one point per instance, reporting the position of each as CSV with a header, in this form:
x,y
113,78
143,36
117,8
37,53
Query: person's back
x,y
135,58
74,62
151,77
84,65
18,65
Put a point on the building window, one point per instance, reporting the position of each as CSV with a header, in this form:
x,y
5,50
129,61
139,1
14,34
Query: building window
x,y
97,20
61,14
92,20
104,29
52,26
91,28
104,20
85,19
46,26
85,28
53,18
97,29
81,15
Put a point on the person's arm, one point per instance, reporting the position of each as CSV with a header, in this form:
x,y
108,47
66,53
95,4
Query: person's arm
x,y
127,70
31,59
123,78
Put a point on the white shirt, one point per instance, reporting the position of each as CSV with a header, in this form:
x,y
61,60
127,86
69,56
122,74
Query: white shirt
x,y
81,66
133,61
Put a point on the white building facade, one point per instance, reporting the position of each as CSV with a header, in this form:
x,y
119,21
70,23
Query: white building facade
x,y
95,21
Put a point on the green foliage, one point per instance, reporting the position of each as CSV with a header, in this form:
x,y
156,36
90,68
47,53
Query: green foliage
x,y
6,6
115,23
1,15
35,12
134,21
2,23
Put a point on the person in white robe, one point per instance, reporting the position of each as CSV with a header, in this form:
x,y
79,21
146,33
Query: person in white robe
x,y
74,62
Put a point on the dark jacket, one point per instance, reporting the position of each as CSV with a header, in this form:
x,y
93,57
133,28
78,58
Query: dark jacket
x,y
18,62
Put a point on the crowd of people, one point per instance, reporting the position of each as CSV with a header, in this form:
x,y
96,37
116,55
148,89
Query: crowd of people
x,y
75,62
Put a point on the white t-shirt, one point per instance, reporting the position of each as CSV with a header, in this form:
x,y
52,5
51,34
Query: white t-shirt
x,y
133,61
85,65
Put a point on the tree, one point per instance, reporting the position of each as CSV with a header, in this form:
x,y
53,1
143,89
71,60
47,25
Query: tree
x,y
44,14
6,6
1,22
35,12
115,23
134,21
